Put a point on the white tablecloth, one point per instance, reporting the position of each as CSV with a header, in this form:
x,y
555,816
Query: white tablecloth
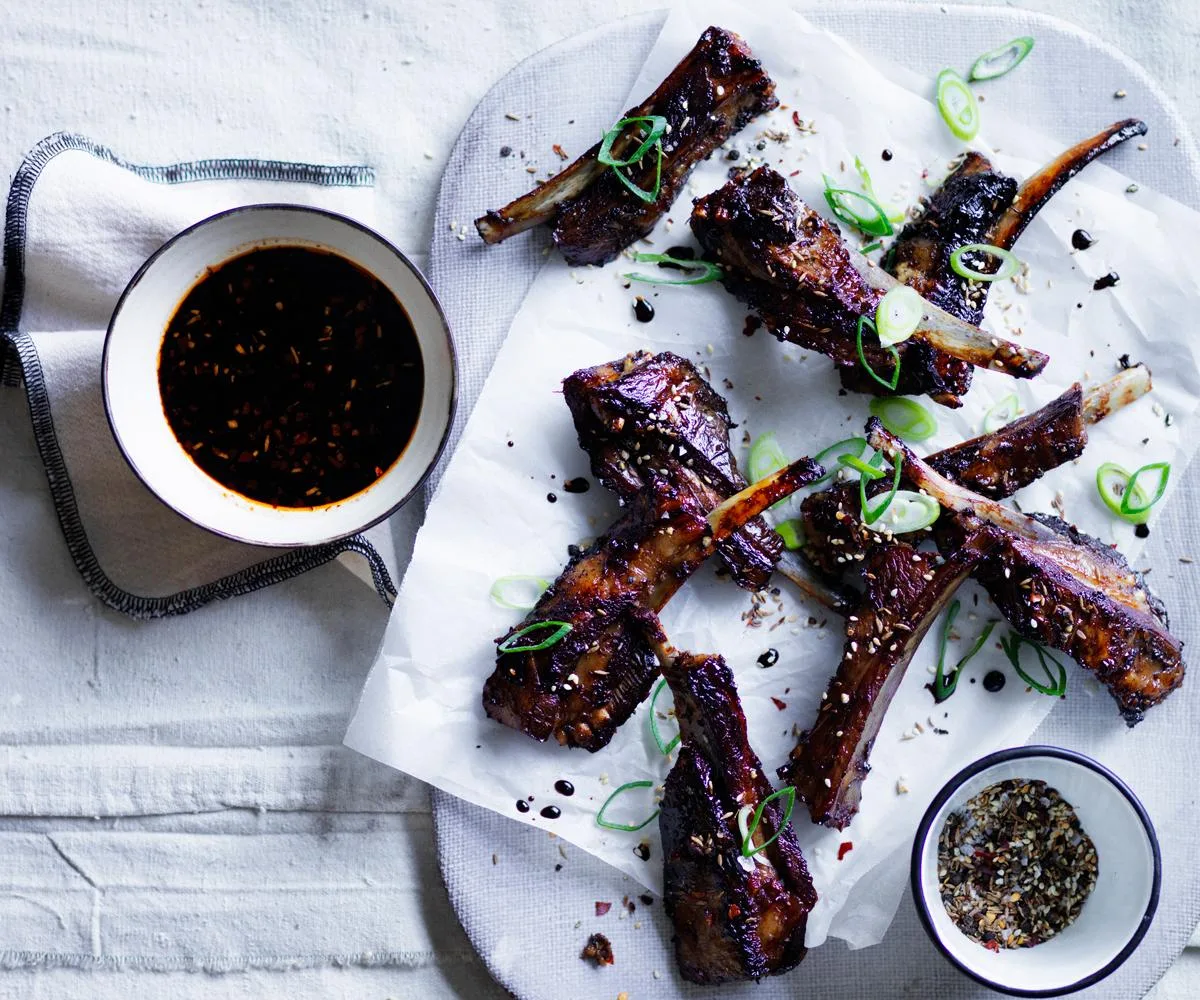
x,y
284,848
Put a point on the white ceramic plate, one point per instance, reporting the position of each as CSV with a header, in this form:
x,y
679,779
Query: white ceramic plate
x,y
134,406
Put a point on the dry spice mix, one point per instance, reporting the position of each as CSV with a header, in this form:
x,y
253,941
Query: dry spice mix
x,y
1014,865
291,376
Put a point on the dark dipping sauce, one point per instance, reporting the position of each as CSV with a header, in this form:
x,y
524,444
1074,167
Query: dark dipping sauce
x,y
291,376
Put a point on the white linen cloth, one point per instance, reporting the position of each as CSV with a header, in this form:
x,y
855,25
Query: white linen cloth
x,y
378,82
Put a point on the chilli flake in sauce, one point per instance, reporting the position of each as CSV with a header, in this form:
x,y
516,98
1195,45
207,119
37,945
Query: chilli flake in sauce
x,y
291,376
1014,865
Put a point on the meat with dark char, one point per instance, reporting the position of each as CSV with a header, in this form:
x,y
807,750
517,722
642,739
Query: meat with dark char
x,y
791,265
657,411
734,917
711,95
905,592
581,689
1061,587
995,465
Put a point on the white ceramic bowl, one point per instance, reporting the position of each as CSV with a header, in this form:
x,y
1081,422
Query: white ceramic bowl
x,y
1114,918
134,406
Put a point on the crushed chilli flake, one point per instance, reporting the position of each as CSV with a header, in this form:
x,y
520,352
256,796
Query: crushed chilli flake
x,y
1014,865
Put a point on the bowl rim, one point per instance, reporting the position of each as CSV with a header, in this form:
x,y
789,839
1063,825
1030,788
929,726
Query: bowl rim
x,y
337,217
948,791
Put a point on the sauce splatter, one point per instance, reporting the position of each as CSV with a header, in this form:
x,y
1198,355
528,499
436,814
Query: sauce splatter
x,y
564,787
993,681
1081,239
550,812
576,485
522,806
1107,281
769,658
643,310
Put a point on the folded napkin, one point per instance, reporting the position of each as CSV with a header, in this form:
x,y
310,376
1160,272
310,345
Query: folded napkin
x,y
80,221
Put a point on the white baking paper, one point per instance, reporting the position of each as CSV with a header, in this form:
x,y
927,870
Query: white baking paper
x,y
421,711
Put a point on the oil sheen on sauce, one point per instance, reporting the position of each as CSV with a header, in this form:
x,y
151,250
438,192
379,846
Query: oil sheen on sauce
x,y
291,376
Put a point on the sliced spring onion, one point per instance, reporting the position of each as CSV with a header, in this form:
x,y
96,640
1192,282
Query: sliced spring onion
x,y
944,684
1003,60
749,818
865,469
857,209
898,315
1001,412
560,629
862,358
856,446
896,215
653,138
1055,687
664,746
1010,265
1122,493
871,515
518,592
792,533
1132,504
658,125
871,247
765,457
909,511
625,827
904,417
957,104
708,271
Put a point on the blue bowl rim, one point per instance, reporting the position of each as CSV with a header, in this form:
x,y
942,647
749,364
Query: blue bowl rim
x,y
1019,753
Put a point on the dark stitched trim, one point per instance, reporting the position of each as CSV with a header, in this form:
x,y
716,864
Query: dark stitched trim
x,y
21,363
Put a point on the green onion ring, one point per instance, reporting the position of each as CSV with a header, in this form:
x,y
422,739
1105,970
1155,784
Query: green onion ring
x,y
886,383
957,104
664,747
944,685
837,449
993,65
658,125
709,271
502,589
1010,265
748,821
625,827
1001,412
1012,649
904,417
870,516
898,315
765,457
1142,509
840,202
555,637
896,216
649,197
910,511
862,468
792,533
1124,496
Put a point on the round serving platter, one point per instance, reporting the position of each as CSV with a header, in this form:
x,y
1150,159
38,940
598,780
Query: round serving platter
x,y
526,900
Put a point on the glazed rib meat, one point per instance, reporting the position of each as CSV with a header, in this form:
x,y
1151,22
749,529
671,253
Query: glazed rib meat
x,y
734,917
657,411
995,465
791,266
582,688
905,592
714,91
1062,588
978,204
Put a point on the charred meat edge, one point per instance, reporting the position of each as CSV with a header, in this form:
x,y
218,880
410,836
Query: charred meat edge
x,y
734,918
657,411
905,592
714,91
814,288
995,465
1064,589
581,689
